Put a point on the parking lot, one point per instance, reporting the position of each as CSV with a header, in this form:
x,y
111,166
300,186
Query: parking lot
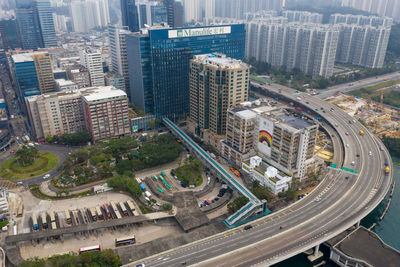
x,y
104,238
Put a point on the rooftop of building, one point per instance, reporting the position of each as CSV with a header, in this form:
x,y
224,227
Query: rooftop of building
x,y
92,94
367,246
63,82
294,122
25,57
220,60
275,174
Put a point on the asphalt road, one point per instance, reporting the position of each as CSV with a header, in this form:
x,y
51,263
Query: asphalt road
x,y
330,91
308,222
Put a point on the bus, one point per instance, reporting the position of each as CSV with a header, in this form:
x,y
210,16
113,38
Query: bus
x,y
44,220
99,213
162,173
118,214
123,208
162,179
52,216
159,189
20,210
68,217
34,223
91,248
92,212
113,206
155,178
122,241
167,185
107,210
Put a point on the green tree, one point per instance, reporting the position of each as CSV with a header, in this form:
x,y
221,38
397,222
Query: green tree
x,y
26,155
49,139
237,204
166,207
125,183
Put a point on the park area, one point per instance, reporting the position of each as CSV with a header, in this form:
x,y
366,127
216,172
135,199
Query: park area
x,y
190,173
28,162
116,157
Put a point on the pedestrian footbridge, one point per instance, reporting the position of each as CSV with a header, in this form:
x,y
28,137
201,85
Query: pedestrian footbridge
x,y
253,209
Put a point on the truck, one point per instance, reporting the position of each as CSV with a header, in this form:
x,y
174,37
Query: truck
x,y
142,187
207,202
361,132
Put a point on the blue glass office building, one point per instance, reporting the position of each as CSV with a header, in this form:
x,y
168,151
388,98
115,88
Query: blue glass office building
x,y
24,71
159,63
44,14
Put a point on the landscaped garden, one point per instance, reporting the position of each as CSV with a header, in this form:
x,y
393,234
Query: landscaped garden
x,y
28,162
116,157
190,173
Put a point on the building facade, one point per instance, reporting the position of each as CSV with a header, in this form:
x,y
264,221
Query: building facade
x,y
65,85
79,75
32,73
129,15
266,175
286,141
118,52
106,111
44,72
309,47
240,132
302,16
103,111
44,14
159,63
216,84
174,13
91,60
89,14
116,80
9,34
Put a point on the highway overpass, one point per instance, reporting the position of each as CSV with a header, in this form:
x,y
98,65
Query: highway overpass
x,y
345,200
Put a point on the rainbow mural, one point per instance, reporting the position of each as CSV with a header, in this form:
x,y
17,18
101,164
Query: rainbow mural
x,y
265,138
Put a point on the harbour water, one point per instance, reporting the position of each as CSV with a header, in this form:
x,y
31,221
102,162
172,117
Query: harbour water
x,y
386,229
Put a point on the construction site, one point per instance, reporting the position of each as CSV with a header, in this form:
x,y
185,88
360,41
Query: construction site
x,y
381,119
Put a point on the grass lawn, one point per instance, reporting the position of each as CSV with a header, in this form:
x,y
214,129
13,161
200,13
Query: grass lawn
x,y
190,174
11,169
371,89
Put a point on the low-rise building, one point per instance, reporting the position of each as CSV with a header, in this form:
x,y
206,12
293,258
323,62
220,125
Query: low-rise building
x,y
266,175
65,85
116,80
79,75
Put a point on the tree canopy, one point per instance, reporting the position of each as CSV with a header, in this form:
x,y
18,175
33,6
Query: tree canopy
x,y
104,258
125,182
236,204
26,155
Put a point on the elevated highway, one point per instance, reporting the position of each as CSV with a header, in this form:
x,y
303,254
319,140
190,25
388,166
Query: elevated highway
x,y
344,200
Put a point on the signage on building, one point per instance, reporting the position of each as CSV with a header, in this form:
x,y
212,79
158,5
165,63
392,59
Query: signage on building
x,y
265,133
135,128
191,32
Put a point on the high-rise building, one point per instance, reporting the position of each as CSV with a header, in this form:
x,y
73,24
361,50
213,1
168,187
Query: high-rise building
x,y
363,40
152,13
89,14
56,113
217,83
106,111
36,25
44,71
91,59
286,141
239,140
192,10
45,19
119,57
9,34
389,8
79,75
238,8
29,30
129,15
103,111
308,47
302,16
159,63
33,74
174,13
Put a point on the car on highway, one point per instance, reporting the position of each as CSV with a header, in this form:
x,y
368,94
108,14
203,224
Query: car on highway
x,y
347,145
358,155
370,153
346,133
353,163
317,199
46,176
347,177
381,148
140,265
248,227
